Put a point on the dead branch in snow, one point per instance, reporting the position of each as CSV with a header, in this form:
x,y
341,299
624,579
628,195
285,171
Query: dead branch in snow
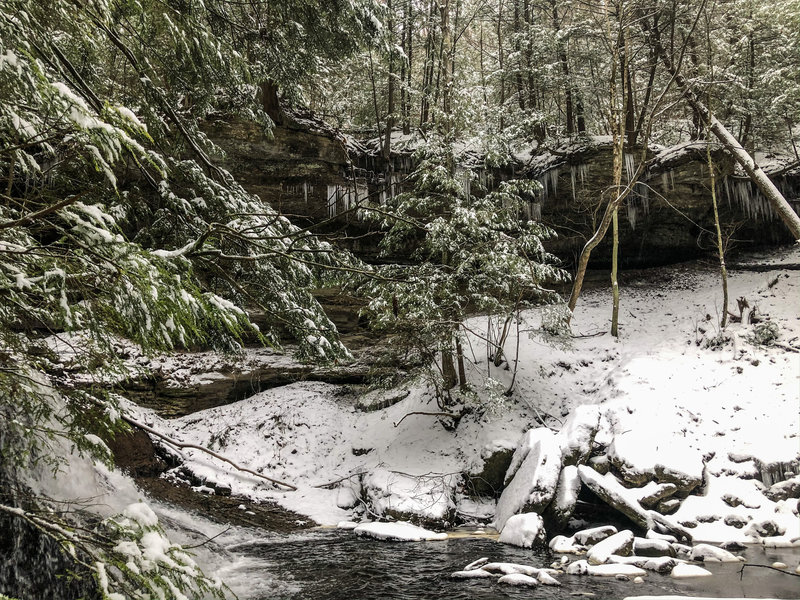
x,y
177,444
330,484
430,414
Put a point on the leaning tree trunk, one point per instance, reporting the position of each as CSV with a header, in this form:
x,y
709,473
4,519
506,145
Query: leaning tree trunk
x,y
756,174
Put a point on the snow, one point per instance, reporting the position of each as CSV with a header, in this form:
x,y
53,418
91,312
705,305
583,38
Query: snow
x,y
582,567
684,571
141,513
398,532
525,530
518,579
722,413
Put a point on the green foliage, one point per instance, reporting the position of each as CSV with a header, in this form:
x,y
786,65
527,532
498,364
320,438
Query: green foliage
x,y
764,333
116,223
470,254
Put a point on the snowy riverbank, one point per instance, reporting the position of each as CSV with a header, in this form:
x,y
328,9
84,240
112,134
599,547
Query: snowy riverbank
x,y
663,404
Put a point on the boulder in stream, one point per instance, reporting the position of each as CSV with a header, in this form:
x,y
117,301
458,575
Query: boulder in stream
x,y
525,530
534,484
620,544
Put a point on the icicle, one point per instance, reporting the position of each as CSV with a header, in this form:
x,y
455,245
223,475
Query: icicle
x,y
573,170
333,196
535,211
671,179
305,191
664,182
583,172
553,175
630,166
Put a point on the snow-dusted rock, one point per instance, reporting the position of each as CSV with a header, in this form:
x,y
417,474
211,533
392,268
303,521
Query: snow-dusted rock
x,y
471,574
655,535
589,537
576,437
685,571
652,547
518,579
668,506
511,569
765,528
654,493
579,567
563,505
601,464
398,532
546,579
784,490
565,545
611,491
476,564
582,567
347,525
660,564
639,456
707,552
620,543
488,477
534,484
528,442
525,530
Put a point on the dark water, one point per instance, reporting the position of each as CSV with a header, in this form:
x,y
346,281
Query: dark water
x,y
337,565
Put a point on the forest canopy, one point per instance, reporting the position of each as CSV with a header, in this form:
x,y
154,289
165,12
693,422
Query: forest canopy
x,y
117,222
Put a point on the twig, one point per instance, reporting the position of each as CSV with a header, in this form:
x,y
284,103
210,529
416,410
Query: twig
x,y
741,571
332,483
430,414
785,347
208,539
178,444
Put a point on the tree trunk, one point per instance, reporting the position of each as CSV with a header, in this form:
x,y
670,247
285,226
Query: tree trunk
x,y
756,174
518,51
428,66
387,143
270,102
564,64
614,281
462,372
720,247
449,377
500,61
405,69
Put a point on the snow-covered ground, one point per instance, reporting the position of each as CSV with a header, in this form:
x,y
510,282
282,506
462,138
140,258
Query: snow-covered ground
x,y
670,403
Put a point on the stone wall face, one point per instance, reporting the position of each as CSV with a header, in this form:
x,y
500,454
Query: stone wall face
x,y
312,175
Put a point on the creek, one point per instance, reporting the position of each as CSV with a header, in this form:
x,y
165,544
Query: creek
x,y
330,564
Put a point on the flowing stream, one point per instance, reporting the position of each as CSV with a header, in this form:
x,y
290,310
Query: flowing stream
x,y
329,564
